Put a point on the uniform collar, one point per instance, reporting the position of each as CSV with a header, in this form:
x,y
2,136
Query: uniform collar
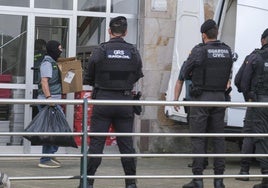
x,y
117,39
213,42
264,46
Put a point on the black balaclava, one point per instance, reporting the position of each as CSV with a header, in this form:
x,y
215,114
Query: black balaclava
x,y
53,49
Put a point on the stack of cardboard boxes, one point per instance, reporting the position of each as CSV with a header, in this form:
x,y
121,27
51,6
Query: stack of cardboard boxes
x,y
78,119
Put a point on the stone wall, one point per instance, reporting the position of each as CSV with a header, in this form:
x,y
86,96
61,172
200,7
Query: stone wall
x,y
157,31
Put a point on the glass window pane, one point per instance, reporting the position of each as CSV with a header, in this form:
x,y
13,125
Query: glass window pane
x,y
132,31
12,116
92,5
54,4
46,29
124,6
12,48
90,33
19,3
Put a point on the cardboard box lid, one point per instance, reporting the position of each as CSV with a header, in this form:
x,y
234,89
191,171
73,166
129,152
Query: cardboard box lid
x,y
66,64
62,59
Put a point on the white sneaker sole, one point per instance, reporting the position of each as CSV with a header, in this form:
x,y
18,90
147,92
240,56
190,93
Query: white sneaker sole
x,y
48,166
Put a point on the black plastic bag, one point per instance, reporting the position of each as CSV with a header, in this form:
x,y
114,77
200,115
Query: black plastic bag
x,y
50,119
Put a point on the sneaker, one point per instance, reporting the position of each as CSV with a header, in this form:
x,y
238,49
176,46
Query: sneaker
x,y
48,164
54,160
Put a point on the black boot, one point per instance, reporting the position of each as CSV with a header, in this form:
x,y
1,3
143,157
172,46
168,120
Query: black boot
x,y
218,183
130,183
88,186
243,178
195,183
263,184
131,186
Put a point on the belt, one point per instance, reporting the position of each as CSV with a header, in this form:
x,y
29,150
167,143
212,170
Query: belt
x,y
123,92
262,98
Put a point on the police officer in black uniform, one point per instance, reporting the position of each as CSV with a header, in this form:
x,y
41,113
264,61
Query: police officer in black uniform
x,y
114,67
254,85
177,92
209,67
248,144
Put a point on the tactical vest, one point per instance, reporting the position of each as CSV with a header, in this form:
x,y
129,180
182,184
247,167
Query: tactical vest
x,y
213,73
38,58
55,81
118,69
259,82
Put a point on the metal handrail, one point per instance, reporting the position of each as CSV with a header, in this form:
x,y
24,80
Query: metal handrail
x,y
137,177
136,134
135,155
135,102
83,175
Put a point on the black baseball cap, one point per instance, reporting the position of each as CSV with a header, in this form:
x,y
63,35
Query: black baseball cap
x,y
207,25
119,21
264,34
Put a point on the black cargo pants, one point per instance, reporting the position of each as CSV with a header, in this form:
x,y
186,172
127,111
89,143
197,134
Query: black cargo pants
x,y
208,120
121,117
260,119
248,144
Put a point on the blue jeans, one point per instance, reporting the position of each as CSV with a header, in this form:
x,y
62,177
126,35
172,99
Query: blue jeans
x,y
48,148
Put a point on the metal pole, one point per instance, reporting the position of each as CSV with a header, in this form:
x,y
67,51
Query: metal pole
x,y
83,166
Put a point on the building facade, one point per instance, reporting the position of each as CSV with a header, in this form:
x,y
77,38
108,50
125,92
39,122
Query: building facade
x,y
80,25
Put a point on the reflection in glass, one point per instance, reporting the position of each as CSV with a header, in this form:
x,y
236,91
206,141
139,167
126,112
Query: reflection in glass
x,y
54,4
90,32
19,3
12,48
92,5
11,117
52,29
124,6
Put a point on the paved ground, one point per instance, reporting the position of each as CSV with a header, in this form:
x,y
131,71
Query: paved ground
x,y
16,167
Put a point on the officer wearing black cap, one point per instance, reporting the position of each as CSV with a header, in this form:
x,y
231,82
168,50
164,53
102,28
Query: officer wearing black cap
x,y
248,142
209,67
252,81
113,69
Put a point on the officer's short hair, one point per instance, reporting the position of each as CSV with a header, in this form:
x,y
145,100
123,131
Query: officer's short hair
x,y
118,25
212,33
265,35
210,28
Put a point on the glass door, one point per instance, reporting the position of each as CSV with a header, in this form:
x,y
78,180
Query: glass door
x,y
13,40
46,29
19,35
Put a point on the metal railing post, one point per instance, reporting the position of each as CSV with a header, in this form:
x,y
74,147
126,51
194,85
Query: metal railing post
x,y
83,165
